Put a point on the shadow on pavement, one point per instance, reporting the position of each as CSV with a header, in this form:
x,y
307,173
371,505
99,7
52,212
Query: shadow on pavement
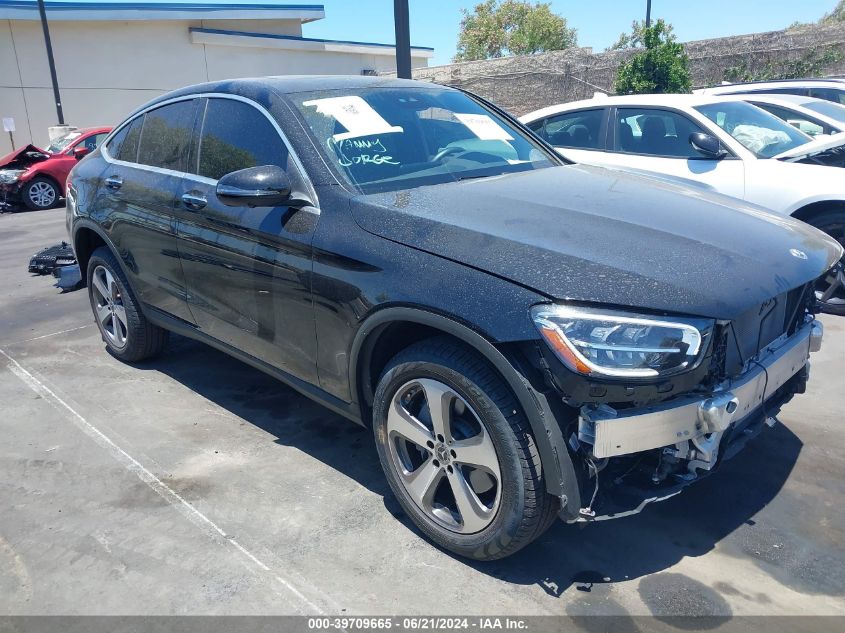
x,y
588,557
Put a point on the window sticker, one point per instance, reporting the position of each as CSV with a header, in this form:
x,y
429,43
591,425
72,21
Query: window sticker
x,y
356,115
484,127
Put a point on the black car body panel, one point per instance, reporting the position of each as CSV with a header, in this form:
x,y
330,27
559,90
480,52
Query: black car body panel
x,y
581,233
307,291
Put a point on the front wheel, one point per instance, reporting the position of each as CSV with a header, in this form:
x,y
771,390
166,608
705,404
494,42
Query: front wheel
x,y
830,289
458,451
40,193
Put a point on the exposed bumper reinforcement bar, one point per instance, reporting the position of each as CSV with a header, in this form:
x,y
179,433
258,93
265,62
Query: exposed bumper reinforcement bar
x,y
624,432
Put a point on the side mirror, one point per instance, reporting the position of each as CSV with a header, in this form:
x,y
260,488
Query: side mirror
x,y
264,186
707,145
81,152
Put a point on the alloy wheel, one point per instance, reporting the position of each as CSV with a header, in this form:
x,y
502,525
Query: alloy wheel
x,y
109,308
830,289
444,456
42,194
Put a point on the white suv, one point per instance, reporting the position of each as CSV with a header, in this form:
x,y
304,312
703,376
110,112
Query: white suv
x,y
827,89
726,145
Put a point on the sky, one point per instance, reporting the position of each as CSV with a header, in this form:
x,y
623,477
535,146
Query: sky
x,y
436,23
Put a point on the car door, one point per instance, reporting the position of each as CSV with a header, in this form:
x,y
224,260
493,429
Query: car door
x,y
146,162
247,269
656,140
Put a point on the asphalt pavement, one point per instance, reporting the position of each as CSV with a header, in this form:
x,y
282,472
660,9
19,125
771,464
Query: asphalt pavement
x,y
194,484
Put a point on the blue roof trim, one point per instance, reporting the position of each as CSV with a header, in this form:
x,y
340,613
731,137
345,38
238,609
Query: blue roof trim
x,y
158,5
295,38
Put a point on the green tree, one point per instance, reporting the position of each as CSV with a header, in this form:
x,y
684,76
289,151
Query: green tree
x,y
662,66
836,15
634,39
496,28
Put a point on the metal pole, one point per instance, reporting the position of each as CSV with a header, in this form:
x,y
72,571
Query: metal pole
x,y
648,14
402,19
50,61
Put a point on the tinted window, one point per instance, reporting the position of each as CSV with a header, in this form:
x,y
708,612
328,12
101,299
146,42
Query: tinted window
x,y
832,110
124,145
828,94
167,135
91,142
803,123
235,136
574,129
654,132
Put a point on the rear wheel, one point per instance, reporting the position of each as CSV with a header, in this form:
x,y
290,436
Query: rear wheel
x,y
127,333
830,289
458,451
40,193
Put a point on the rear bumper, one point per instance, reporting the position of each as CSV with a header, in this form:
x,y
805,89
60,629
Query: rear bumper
x,y
629,431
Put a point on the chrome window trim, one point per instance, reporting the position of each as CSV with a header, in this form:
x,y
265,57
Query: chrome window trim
x,y
196,177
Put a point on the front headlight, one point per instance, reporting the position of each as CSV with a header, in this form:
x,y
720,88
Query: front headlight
x,y
10,176
622,345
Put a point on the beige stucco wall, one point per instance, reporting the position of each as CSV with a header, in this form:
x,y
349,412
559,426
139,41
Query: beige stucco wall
x,y
107,69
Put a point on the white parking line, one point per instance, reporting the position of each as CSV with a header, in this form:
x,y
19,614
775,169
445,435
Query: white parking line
x,y
38,338
159,487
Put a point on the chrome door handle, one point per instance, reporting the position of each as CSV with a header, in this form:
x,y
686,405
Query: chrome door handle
x,y
193,202
114,182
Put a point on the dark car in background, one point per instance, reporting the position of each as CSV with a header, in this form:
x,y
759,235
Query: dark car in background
x,y
36,177
527,338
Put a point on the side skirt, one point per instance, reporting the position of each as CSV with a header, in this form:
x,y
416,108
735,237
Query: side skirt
x,y
348,410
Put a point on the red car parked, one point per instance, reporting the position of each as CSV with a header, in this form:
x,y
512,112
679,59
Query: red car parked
x,y
36,177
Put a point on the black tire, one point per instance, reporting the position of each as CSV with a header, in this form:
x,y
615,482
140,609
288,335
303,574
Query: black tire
x,y
833,223
51,199
525,509
143,339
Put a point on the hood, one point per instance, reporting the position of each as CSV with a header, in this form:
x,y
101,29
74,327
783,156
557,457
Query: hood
x,y
812,148
604,236
23,157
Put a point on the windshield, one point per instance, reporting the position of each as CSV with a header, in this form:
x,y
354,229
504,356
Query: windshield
x,y
386,139
827,108
61,144
760,132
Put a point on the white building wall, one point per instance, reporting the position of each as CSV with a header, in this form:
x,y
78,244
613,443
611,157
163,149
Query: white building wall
x,y
106,69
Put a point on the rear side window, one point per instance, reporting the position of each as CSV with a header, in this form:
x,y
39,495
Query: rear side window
x,y
166,136
236,136
828,94
580,130
124,145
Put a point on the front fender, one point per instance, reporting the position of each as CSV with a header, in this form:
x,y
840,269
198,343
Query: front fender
x,y
558,468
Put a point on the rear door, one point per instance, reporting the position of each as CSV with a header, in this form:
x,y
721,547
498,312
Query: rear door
x,y
247,269
147,159
656,140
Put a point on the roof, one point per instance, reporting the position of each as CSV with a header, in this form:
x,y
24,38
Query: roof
x,y
676,100
291,84
796,100
162,10
776,83
224,37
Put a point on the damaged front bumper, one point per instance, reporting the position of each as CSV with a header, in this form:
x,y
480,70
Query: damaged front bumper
x,y
687,436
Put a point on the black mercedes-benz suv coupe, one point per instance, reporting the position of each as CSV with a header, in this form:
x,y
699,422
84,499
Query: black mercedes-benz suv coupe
x,y
527,338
